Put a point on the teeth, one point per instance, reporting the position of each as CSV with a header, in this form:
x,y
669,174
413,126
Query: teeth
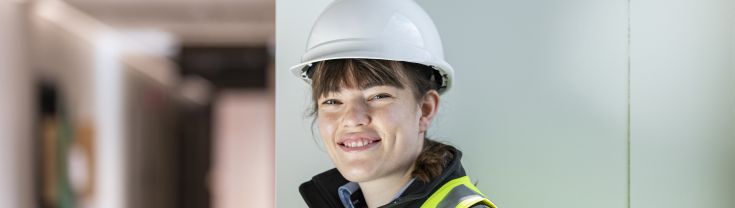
x,y
357,143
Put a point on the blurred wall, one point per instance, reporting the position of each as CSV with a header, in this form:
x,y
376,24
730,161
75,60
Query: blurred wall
x,y
16,117
243,169
682,103
107,80
554,105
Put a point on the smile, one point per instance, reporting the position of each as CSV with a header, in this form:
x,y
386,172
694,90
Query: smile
x,y
357,143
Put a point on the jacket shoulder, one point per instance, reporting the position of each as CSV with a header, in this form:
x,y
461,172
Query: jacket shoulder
x,y
458,192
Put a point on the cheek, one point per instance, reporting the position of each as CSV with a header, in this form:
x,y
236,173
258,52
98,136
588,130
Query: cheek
x,y
327,126
402,123
404,118
410,128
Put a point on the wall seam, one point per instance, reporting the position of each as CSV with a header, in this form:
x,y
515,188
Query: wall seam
x,y
628,99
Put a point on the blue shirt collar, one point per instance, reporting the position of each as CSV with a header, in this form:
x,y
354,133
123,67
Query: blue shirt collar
x,y
345,192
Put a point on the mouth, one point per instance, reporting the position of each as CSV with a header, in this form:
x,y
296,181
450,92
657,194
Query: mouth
x,y
357,143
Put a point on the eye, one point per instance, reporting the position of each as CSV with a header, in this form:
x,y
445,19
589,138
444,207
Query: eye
x,y
380,96
331,102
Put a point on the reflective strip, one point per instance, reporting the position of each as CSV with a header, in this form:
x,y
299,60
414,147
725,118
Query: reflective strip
x,y
457,193
474,199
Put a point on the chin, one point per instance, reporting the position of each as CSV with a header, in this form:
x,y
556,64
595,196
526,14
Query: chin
x,y
356,174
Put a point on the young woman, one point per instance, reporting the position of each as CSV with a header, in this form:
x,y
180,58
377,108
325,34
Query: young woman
x,y
376,70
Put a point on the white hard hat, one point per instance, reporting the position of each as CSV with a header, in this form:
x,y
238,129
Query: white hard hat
x,y
397,30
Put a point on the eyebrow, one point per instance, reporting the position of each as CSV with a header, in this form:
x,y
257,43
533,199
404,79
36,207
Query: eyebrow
x,y
374,83
371,85
326,94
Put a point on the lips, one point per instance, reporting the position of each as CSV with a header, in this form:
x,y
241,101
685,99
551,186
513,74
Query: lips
x,y
357,142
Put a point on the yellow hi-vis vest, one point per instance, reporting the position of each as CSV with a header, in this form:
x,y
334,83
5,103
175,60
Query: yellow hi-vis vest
x,y
457,193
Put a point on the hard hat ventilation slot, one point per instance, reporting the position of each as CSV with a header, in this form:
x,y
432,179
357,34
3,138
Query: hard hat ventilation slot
x,y
439,78
307,72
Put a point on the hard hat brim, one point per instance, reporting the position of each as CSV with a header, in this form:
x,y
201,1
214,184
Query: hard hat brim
x,y
365,49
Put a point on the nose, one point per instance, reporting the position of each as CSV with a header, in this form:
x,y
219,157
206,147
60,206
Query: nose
x,y
356,115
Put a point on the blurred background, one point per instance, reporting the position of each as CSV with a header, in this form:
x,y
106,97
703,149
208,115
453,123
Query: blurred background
x,y
137,103
560,103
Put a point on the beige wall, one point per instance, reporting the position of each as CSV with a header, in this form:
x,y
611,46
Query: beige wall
x,y
244,163
16,96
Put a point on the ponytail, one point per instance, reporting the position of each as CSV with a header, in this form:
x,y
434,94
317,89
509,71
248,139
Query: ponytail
x,y
432,160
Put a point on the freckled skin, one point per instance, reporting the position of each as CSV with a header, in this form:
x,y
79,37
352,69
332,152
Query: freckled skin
x,y
390,113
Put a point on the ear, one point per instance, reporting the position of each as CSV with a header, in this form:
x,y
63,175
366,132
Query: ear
x,y
429,106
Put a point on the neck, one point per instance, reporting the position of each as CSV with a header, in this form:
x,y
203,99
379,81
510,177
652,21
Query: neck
x,y
381,191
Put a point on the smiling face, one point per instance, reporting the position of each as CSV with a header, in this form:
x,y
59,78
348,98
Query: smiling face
x,y
371,133
371,120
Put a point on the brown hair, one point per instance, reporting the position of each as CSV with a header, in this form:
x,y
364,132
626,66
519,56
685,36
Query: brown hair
x,y
331,75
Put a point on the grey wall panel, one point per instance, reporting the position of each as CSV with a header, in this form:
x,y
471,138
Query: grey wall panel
x,y
683,103
539,106
298,157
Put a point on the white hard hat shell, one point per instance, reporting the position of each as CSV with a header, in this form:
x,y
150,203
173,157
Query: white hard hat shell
x,y
396,30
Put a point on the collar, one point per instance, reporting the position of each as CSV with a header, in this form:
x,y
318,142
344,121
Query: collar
x,y
321,190
345,193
